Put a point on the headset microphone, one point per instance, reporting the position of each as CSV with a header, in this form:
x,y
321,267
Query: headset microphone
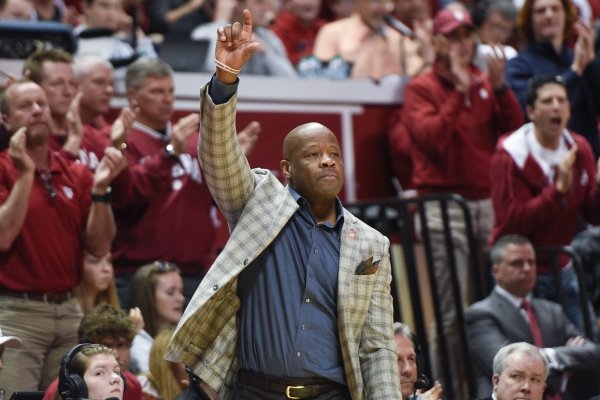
x,y
420,383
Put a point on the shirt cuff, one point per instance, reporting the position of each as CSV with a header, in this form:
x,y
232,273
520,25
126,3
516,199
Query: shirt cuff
x,y
221,93
553,361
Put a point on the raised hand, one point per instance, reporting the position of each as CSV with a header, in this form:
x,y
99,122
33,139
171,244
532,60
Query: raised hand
x,y
122,125
565,170
584,51
183,129
459,71
17,151
496,62
234,48
248,136
109,167
74,127
435,393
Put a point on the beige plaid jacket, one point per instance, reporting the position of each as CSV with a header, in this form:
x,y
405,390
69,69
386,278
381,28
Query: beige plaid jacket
x,y
257,206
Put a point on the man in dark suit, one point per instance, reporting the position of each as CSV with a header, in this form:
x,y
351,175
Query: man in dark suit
x,y
520,372
510,314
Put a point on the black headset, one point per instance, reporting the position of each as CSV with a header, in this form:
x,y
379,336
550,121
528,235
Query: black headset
x,y
422,381
71,385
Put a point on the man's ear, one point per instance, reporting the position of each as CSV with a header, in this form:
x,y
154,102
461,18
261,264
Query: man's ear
x,y
495,380
286,169
4,121
529,111
132,97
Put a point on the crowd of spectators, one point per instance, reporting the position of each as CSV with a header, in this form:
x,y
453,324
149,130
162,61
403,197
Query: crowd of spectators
x,y
501,106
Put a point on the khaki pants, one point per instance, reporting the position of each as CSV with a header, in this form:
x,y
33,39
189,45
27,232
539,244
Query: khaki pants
x,y
482,216
47,331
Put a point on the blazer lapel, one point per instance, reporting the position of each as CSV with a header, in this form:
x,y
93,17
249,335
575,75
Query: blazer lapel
x,y
512,318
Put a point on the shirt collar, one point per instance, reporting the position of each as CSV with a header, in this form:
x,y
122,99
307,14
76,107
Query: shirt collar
x,y
514,300
339,210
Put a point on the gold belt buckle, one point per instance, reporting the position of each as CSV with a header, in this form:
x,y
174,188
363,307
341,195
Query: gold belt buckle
x,y
287,391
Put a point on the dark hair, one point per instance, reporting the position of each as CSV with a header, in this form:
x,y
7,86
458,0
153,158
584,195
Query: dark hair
x,y
34,63
525,19
536,82
484,8
105,321
497,252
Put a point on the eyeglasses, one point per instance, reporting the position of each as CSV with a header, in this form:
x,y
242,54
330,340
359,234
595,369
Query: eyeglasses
x,y
46,177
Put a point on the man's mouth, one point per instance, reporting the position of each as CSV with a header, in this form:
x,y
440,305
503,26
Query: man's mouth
x,y
556,121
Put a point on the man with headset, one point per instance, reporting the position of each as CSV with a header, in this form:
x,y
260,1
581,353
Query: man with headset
x,y
412,379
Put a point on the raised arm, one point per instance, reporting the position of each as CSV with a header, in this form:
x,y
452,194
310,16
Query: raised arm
x,y
14,210
100,228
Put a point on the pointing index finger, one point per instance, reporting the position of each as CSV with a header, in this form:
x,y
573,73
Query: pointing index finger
x,y
247,21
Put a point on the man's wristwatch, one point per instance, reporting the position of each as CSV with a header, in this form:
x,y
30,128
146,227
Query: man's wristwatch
x,y
170,152
102,198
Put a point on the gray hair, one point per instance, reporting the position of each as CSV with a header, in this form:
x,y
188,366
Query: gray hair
x,y
501,357
402,329
497,252
143,68
506,9
84,63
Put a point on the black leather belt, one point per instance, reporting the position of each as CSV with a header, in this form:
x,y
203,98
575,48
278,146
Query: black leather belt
x,y
46,297
290,388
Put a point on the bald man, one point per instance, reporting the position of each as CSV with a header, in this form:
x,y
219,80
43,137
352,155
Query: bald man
x,y
298,303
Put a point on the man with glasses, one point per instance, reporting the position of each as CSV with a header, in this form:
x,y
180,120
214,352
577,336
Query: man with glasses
x,y
112,328
544,179
510,314
51,210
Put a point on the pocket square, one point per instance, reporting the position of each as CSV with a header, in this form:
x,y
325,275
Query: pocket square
x,y
367,267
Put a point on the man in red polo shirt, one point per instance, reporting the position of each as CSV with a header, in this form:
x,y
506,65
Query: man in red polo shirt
x,y
51,210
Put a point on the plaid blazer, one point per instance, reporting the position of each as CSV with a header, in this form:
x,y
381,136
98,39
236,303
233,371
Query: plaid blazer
x,y
257,206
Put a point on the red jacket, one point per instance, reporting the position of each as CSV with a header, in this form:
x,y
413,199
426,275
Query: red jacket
x,y
454,136
526,203
169,215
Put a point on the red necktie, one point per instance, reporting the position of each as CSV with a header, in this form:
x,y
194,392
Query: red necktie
x,y
534,326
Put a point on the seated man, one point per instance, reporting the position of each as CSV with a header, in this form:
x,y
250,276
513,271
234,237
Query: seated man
x,y
510,314
520,371
412,378
112,328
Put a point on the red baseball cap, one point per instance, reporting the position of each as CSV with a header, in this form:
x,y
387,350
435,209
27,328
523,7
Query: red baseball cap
x,y
447,20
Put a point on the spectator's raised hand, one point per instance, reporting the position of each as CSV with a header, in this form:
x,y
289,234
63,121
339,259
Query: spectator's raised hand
x,y
459,71
248,136
565,170
435,393
496,63
18,152
122,125
109,167
584,51
234,48
183,129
